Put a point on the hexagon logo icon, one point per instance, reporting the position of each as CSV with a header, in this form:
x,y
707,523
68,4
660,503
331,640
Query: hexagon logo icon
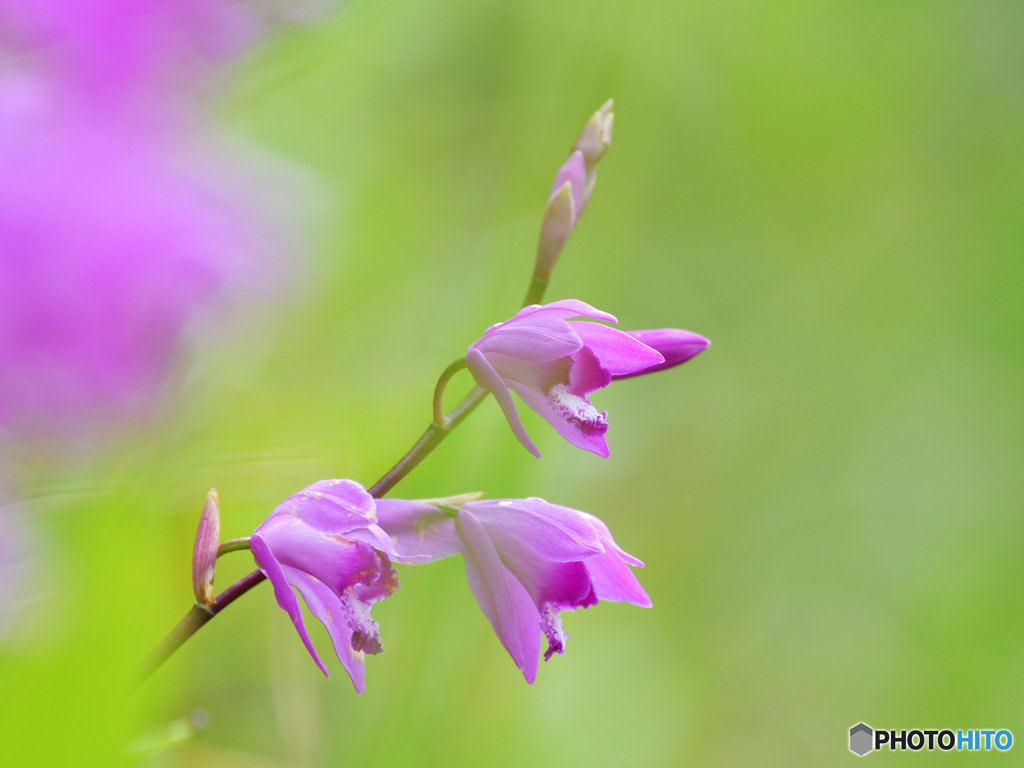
x,y
861,739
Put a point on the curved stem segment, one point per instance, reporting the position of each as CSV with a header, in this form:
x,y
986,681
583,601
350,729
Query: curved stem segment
x,y
442,383
194,621
233,545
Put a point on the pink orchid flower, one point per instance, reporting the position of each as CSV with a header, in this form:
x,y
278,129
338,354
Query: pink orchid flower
x,y
325,542
526,561
553,363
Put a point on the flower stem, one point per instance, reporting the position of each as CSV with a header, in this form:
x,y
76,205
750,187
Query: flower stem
x,y
194,621
442,383
233,545
535,293
443,424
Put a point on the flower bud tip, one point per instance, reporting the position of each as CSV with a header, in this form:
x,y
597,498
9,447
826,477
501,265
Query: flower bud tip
x,y
204,553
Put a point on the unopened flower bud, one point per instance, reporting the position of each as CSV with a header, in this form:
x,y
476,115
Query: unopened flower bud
x,y
204,554
559,218
596,136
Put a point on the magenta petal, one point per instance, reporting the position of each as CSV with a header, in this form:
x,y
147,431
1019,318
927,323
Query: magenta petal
x,y
586,374
675,345
564,309
385,586
557,585
375,536
504,601
335,561
331,506
421,532
326,606
283,593
614,581
549,531
489,379
537,339
573,417
612,578
620,353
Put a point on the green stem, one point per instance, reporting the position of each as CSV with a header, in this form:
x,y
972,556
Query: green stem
x,y
442,382
233,545
536,291
428,441
194,620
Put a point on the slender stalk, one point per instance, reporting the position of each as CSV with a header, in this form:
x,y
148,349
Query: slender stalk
x,y
194,620
536,291
428,441
233,545
442,382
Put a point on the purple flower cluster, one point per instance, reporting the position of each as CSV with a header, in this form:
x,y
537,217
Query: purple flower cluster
x,y
526,560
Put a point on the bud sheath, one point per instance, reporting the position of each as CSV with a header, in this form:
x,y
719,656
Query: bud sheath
x,y
204,554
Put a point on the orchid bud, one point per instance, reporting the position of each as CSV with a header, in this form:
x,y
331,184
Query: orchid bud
x,y
593,142
559,218
596,136
569,194
204,554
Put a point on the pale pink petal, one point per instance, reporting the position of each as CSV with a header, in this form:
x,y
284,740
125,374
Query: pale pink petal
x,y
334,560
619,353
613,580
549,531
489,379
573,417
421,532
283,593
331,506
326,606
539,376
504,601
538,339
564,309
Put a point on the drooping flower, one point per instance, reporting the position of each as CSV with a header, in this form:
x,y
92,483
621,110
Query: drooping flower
x,y
325,542
526,561
553,363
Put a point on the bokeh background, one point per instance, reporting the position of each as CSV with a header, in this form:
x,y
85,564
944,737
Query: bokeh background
x,y
828,500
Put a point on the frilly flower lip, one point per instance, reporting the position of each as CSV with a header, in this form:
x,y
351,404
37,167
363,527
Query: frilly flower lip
x,y
553,362
325,542
526,561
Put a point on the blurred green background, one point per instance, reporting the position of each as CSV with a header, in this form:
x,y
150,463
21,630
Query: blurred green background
x,y
828,500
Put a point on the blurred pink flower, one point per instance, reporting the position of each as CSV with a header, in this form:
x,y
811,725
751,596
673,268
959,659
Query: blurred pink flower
x,y
115,224
106,246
